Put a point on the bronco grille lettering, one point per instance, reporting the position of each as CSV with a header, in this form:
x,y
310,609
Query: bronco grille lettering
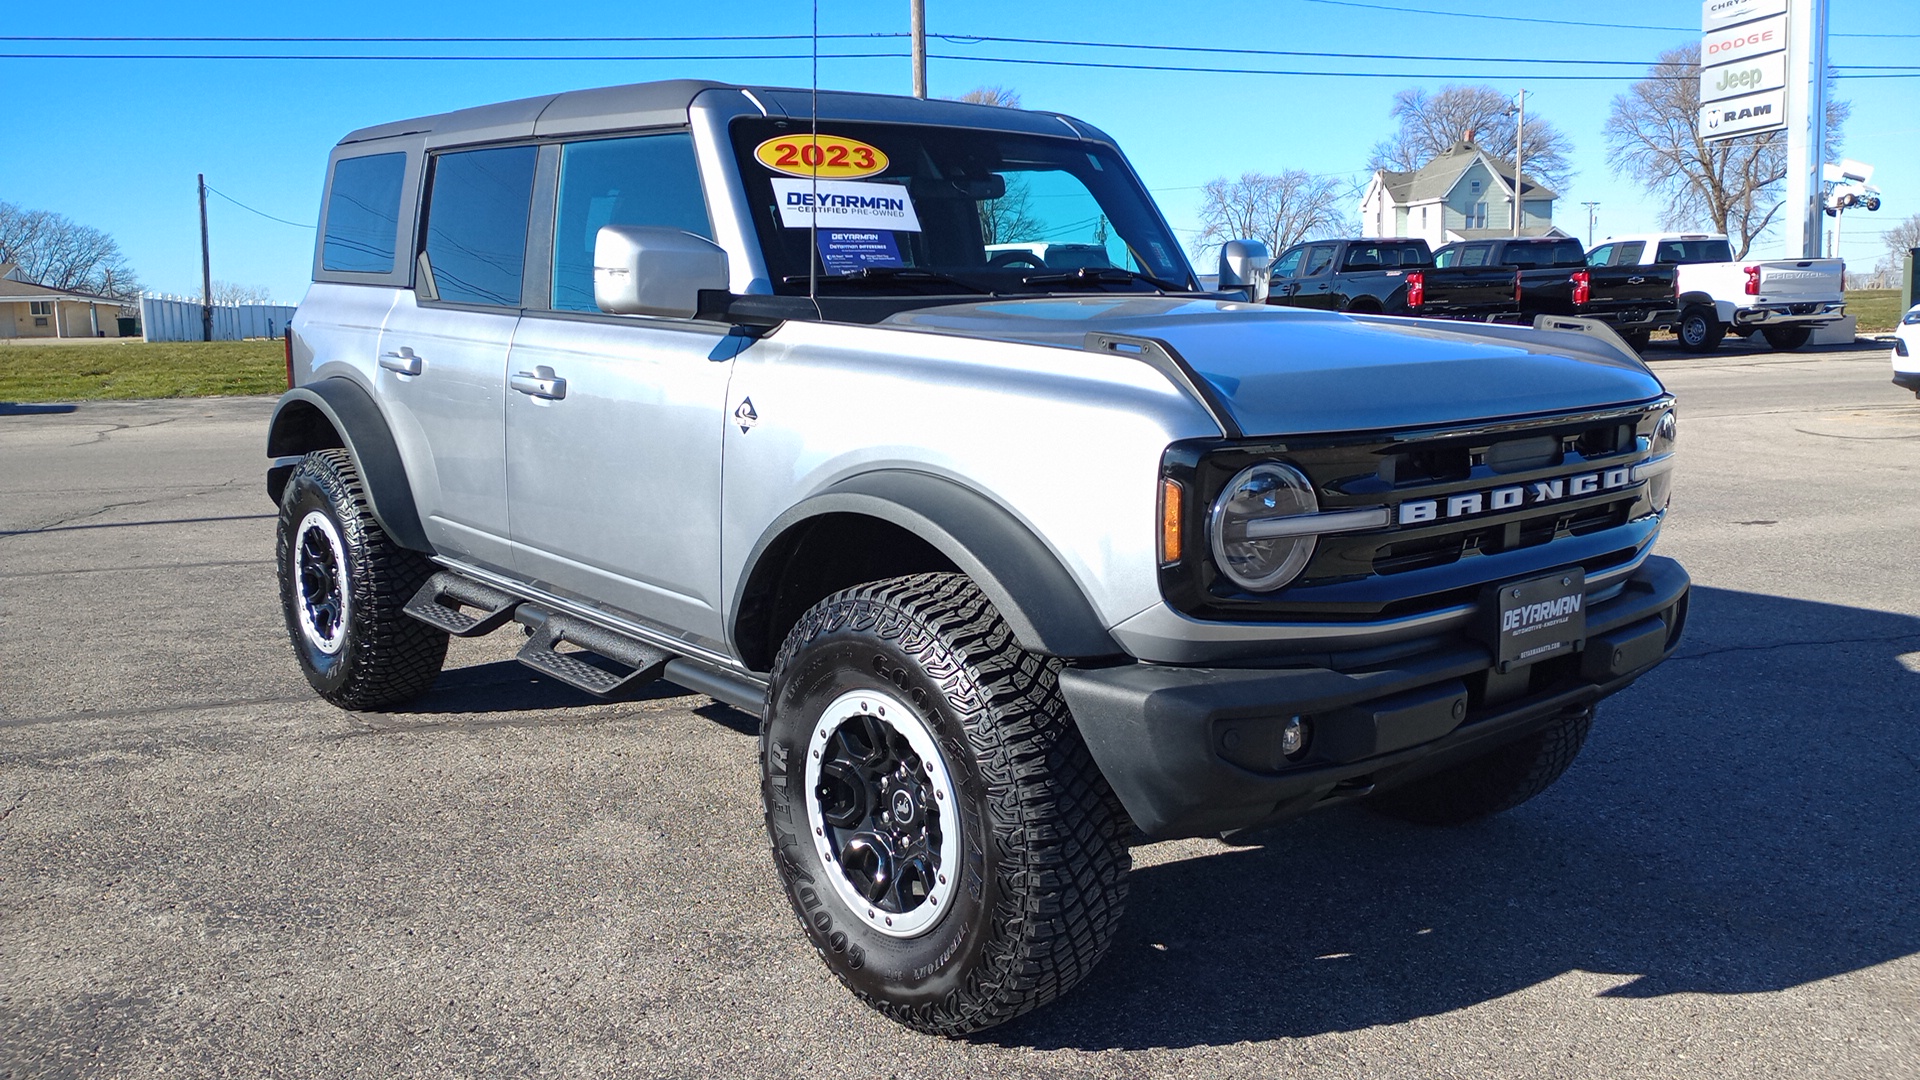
x,y
1467,504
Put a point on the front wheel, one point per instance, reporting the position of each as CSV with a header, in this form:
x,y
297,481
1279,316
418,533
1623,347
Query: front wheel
x,y
1786,338
1699,330
343,583
942,832
1493,783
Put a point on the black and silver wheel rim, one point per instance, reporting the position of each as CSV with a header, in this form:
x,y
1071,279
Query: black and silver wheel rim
x,y
319,567
880,807
1693,330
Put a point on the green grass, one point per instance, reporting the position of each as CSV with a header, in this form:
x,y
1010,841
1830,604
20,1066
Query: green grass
x,y
99,371
1878,310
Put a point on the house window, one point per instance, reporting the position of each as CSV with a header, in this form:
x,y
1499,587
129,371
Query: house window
x,y
40,307
1477,217
1476,187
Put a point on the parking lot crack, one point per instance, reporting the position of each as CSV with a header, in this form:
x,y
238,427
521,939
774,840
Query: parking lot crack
x,y
1722,651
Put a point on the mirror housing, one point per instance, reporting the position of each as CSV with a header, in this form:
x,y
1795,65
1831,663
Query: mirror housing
x,y
1246,264
651,270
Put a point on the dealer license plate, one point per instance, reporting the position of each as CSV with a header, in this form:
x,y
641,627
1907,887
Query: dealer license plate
x,y
1539,619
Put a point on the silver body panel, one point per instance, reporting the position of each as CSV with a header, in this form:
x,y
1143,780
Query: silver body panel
x,y
614,489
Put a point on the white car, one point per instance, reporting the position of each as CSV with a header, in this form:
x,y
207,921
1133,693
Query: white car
x,y
1906,351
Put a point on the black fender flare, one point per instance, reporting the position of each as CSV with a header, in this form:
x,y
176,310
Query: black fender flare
x,y
300,425
1689,299
1026,583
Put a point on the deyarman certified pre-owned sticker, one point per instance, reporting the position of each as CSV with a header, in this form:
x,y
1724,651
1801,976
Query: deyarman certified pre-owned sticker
x,y
830,157
843,204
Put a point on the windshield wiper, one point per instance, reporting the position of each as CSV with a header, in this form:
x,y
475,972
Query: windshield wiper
x,y
1101,275
886,275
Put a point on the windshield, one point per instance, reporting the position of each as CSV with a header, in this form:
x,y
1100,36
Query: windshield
x,y
902,209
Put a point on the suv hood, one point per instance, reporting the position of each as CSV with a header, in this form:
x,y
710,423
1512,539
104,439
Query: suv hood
x,y
1283,371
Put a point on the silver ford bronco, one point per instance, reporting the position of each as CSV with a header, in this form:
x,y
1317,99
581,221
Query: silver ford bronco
x,y
906,426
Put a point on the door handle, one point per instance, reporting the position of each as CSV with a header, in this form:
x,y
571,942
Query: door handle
x,y
403,362
541,382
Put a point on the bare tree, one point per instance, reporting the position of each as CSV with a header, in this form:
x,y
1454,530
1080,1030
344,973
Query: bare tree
x,y
992,95
1733,187
54,251
1430,123
1901,239
227,292
1280,209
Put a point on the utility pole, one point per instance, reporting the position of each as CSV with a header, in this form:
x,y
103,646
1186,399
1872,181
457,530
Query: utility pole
x,y
1519,141
206,269
919,21
1590,206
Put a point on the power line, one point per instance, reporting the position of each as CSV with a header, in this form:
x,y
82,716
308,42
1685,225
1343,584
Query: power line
x,y
1530,77
455,40
446,56
251,210
1582,23
963,39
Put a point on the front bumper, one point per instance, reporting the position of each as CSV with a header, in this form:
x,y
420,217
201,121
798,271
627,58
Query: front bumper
x,y
1195,751
1908,380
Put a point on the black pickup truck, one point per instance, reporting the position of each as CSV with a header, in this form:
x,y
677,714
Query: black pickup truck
x,y
1550,276
1496,280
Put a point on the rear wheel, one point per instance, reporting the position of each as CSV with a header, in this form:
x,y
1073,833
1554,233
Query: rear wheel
x,y
1488,785
941,830
1699,330
1786,338
343,583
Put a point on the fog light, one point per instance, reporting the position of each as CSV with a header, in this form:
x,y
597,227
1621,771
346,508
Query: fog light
x,y
1293,737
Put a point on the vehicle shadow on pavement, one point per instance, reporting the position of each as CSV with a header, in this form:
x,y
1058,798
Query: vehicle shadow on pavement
x,y
1741,821
15,408
508,686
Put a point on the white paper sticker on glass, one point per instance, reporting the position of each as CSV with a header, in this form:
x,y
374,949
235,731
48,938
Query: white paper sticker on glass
x,y
844,204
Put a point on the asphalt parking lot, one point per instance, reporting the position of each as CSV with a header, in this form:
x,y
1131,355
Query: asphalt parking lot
x,y
206,871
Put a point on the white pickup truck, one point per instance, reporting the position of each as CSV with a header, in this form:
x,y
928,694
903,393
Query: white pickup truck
x,y
1784,301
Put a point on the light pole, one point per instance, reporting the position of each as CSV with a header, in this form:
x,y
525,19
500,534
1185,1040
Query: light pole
x,y
1519,142
1590,206
917,20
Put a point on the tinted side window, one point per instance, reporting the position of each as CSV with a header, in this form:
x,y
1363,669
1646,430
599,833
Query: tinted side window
x,y
1286,265
363,214
1474,256
1630,253
649,180
1319,258
477,224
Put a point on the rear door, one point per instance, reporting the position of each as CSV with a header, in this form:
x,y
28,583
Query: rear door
x,y
443,351
614,422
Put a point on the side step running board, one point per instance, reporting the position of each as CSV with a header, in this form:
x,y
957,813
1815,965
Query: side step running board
x,y
549,630
440,600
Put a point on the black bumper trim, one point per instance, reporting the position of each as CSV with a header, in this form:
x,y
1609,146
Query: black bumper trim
x,y
1158,731
1907,380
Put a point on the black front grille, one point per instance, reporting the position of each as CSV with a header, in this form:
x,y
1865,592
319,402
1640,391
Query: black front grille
x,y
1413,564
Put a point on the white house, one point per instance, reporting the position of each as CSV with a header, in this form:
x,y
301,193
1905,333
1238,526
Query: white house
x,y
1463,194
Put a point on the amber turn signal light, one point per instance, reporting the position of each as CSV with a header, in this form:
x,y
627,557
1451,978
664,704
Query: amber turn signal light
x,y
1171,497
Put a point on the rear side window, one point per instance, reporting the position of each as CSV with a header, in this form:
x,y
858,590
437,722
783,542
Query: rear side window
x,y
1473,256
648,180
1629,253
477,224
363,214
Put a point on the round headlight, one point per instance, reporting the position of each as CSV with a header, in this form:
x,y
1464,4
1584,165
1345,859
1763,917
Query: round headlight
x,y
1251,556
1660,488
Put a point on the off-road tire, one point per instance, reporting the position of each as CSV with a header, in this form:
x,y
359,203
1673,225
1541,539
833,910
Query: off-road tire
x,y
1700,330
1786,338
1494,783
1042,857
376,656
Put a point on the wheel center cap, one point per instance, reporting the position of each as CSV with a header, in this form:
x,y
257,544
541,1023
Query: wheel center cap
x,y
903,807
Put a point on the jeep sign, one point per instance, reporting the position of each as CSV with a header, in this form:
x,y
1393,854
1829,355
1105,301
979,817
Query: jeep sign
x,y
1767,72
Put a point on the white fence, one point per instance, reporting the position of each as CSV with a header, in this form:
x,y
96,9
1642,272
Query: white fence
x,y
177,318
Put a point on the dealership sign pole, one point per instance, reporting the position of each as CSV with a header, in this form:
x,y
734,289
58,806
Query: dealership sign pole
x,y
1763,68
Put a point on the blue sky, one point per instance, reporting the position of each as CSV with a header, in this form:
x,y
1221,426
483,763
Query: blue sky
x,y
116,143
